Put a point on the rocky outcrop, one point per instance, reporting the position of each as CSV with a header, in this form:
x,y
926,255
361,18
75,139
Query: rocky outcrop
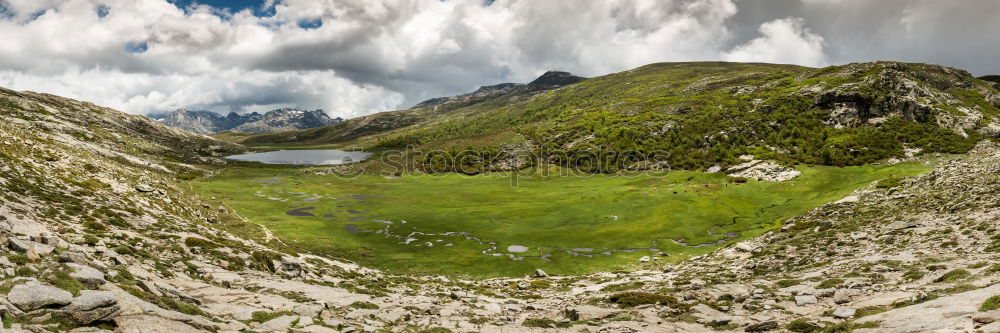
x,y
93,305
34,295
555,79
916,92
768,171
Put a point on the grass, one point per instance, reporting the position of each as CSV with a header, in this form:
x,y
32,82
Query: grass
x,y
364,305
544,323
264,316
547,214
830,283
630,299
679,109
953,275
990,304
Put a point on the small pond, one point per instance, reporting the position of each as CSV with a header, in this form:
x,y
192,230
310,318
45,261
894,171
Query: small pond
x,y
306,157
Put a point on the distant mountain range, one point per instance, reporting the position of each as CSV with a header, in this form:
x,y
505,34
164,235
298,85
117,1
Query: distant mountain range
x,y
207,122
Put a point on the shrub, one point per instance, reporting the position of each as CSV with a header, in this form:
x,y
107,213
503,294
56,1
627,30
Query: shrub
x,y
802,325
623,286
953,275
94,226
199,242
889,182
544,323
830,283
62,280
635,298
913,274
264,316
786,283
265,260
991,303
364,305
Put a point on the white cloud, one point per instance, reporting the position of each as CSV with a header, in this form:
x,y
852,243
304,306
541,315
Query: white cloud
x,y
365,56
784,41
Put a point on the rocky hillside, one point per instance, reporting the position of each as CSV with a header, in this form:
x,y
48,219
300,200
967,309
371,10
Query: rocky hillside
x,y
207,122
99,235
428,113
701,115
995,79
548,81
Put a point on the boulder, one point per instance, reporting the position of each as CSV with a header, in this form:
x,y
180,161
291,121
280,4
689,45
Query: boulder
x,y
23,246
144,188
147,323
149,287
34,295
842,296
745,247
802,300
317,329
844,312
280,324
308,310
540,273
987,317
74,257
458,295
644,259
762,326
93,305
6,262
87,275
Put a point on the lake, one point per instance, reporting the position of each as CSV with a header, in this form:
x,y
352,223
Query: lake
x,y
305,157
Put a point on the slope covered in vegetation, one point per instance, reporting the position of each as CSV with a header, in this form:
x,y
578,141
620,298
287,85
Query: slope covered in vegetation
x,y
696,115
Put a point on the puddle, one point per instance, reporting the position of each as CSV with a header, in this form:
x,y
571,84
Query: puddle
x,y
517,248
301,211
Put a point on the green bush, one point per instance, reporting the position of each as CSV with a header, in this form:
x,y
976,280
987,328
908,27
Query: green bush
x,y
830,283
264,316
200,243
60,278
953,275
635,298
786,283
913,274
889,182
991,303
802,326
544,323
364,305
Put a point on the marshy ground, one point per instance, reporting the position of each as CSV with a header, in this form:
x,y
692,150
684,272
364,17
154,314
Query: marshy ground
x,y
482,226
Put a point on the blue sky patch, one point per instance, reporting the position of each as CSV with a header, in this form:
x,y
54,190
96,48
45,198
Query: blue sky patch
x,y
232,6
103,10
136,47
311,24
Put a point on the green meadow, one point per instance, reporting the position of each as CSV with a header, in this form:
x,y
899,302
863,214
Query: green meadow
x,y
474,226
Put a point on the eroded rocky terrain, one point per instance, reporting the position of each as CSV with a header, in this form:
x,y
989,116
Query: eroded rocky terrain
x,y
99,234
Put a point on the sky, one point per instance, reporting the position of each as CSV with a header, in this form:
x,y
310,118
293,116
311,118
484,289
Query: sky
x,y
357,57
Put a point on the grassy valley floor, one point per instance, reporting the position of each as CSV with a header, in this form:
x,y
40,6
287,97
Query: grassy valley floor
x,y
482,226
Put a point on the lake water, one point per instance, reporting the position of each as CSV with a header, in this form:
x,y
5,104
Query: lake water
x,y
306,157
